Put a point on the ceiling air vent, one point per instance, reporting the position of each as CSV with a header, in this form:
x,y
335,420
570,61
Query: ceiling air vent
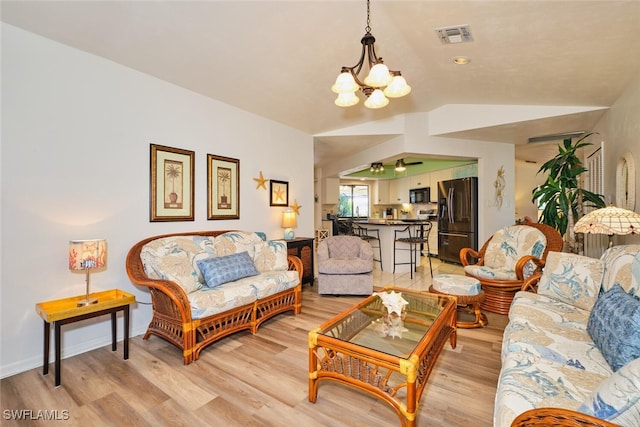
x,y
556,137
456,34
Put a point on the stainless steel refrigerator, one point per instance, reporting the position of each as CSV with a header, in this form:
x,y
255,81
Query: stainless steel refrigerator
x,y
457,217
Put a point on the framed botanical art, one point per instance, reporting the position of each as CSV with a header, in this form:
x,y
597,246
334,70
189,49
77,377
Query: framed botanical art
x,y
279,191
223,187
171,184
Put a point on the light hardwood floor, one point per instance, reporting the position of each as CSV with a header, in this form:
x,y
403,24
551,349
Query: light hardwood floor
x,y
256,380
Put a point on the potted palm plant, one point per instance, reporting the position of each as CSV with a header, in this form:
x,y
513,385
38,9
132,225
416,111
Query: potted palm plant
x,y
561,196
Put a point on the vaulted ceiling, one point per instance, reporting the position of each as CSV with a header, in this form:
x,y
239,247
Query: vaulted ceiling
x,y
278,59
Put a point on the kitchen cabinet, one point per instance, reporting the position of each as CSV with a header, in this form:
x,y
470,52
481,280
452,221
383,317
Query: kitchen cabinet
x,y
331,190
381,192
420,181
399,191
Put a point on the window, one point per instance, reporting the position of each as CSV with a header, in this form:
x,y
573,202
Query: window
x,y
354,201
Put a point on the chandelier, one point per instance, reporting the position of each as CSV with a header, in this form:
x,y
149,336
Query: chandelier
x,y
380,84
376,168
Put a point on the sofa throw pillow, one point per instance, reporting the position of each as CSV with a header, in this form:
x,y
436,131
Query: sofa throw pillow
x,y
270,256
617,398
614,326
571,278
223,269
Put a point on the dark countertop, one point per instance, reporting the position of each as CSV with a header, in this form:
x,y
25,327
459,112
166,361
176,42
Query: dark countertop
x,y
380,221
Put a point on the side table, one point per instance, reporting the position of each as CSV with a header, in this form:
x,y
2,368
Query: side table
x,y
302,247
63,311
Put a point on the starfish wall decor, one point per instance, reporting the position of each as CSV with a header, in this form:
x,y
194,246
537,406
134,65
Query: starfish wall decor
x,y
261,180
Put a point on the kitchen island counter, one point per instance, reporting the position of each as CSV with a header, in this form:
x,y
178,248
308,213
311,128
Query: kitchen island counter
x,y
387,228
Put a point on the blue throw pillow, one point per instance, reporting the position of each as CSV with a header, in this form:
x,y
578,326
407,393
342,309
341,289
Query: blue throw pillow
x,y
614,326
223,269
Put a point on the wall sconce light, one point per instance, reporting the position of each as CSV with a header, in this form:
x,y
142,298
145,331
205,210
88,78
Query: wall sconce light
x,y
87,255
289,222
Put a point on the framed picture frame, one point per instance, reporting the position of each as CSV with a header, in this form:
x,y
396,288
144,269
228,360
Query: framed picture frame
x,y
279,191
223,187
171,184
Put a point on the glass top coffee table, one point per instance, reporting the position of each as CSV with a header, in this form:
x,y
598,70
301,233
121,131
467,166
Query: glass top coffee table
x,y
386,355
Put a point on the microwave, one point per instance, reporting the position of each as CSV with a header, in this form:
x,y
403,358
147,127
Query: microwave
x,y
420,195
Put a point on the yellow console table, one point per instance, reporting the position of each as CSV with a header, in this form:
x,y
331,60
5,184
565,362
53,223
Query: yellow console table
x,y
63,311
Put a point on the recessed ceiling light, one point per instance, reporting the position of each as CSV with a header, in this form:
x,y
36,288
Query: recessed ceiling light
x,y
461,60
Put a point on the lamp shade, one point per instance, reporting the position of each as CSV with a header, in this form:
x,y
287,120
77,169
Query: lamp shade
x,y
610,220
87,254
376,100
289,219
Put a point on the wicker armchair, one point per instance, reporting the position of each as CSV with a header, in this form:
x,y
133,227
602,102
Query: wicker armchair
x,y
172,319
501,281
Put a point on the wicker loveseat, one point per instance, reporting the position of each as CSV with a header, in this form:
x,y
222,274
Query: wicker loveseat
x,y
178,269
571,350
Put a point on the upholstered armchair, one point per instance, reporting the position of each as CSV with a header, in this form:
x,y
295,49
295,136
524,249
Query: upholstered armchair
x,y
505,260
345,266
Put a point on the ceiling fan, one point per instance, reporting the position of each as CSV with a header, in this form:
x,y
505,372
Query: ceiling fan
x,y
401,165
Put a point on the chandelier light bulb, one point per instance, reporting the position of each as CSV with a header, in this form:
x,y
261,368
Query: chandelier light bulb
x,y
397,88
379,76
376,100
346,99
345,83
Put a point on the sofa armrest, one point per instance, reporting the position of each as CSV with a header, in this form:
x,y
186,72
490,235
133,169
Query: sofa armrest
x,y
295,263
557,417
167,297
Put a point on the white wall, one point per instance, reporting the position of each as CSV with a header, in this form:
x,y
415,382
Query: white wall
x,y
620,130
527,178
76,131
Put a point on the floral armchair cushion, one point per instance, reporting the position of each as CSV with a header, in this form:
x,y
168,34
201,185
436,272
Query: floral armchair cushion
x,y
571,278
506,247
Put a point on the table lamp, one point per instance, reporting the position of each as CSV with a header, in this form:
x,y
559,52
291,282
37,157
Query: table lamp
x,y
610,220
289,222
87,255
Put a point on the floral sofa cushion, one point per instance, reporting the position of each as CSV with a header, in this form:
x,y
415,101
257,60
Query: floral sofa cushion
x,y
208,301
622,267
527,381
572,278
270,256
554,331
617,398
233,242
175,258
505,248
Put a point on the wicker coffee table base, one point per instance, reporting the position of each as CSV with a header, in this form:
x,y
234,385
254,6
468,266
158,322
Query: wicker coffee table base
x,y
473,303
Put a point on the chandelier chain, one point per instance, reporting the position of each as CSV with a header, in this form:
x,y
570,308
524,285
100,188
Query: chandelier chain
x,y
367,29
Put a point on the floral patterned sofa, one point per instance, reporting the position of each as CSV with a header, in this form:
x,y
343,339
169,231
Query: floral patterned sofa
x,y
207,285
570,352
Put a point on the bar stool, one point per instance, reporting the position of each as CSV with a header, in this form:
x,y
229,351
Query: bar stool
x,y
371,235
414,239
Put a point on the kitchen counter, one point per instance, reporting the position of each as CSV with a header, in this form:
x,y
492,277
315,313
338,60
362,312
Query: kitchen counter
x,y
380,221
387,228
